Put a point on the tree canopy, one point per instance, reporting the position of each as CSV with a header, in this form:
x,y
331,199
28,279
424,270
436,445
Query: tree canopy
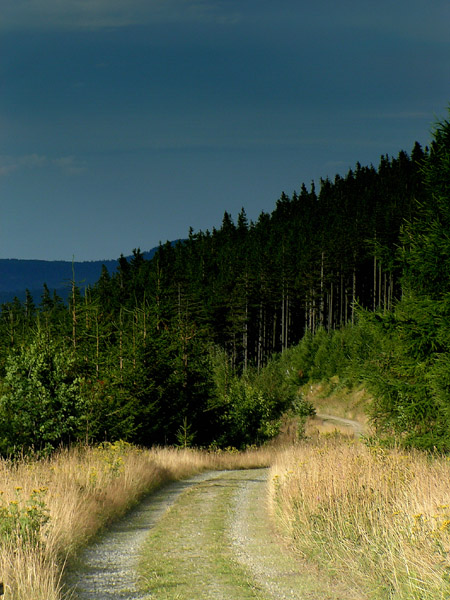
x,y
180,347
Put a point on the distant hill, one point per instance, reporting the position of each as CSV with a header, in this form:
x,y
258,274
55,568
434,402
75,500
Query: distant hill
x,y
17,275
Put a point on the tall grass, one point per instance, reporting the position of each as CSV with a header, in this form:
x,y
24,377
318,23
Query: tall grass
x,y
379,519
50,507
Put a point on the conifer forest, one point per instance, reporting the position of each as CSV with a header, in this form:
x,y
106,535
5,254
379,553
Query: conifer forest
x,y
207,343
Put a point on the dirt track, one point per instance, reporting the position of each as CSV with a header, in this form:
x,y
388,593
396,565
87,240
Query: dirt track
x,y
357,428
208,537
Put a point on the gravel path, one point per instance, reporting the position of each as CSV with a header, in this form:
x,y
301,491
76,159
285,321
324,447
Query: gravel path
x,y
210,536
214,532
355,425
106,569
273,568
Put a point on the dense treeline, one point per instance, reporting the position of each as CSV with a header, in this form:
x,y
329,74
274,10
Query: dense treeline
x,y
256,288
402,355
178,349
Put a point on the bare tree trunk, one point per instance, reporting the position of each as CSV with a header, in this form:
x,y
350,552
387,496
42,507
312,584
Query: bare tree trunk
x,y
245,336
74,313
158,298
274,332
121,345
289,327
288,322
259,352
313,311
97,346
308,311
321,303
379,285
144,316
391,290
353,293
374,282
74,317
264,338
330,308
346,308
135,328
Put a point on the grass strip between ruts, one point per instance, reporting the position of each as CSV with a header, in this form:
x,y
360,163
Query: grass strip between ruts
x,y
188,554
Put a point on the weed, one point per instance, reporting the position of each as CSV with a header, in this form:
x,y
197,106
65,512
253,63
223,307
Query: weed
x,y
22,519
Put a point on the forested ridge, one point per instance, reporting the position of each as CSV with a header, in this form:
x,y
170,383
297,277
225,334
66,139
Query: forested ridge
x,y
193,346
17,275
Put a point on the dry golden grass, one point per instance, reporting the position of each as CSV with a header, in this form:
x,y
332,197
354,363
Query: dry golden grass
x,y
377,518
80,491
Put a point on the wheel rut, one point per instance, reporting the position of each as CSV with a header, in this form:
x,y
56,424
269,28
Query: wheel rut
x,y
107,568
205,538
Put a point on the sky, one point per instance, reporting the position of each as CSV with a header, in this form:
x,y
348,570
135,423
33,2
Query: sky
x,y
123,123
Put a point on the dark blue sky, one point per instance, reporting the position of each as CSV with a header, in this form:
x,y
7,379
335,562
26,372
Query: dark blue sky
x,y
125,122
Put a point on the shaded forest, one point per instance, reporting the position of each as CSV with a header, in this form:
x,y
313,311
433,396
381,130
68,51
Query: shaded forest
x,y
180,349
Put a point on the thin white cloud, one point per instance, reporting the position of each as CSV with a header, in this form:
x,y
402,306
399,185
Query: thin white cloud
x,y
6,169
33,161
418,20
104,14
66,164
69,165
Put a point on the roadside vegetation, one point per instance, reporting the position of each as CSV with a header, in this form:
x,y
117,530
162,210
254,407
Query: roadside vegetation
x,y
376,518
50,507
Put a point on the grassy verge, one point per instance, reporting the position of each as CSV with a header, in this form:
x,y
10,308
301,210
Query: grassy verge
x,y
50,508
377,518
187,555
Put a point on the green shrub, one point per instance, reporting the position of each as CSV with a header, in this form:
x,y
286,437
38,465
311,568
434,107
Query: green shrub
x,y
40,400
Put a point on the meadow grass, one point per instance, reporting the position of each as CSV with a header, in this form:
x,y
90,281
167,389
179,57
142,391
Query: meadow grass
x,y
376,518
51,507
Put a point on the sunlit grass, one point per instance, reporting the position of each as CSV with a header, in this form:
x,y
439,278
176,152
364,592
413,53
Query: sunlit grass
x,y
379,518
376,517
80,491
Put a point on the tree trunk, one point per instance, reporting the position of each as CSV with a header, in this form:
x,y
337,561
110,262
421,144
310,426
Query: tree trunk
x,y
330,308
374,282
321,300
353,293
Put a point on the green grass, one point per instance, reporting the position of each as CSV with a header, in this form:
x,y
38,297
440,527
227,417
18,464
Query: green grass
x,y
188,556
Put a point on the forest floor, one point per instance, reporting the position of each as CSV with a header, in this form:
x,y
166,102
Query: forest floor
x,y
208,537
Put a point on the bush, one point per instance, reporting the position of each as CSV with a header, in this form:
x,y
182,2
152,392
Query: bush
x,y
249,406
41,396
